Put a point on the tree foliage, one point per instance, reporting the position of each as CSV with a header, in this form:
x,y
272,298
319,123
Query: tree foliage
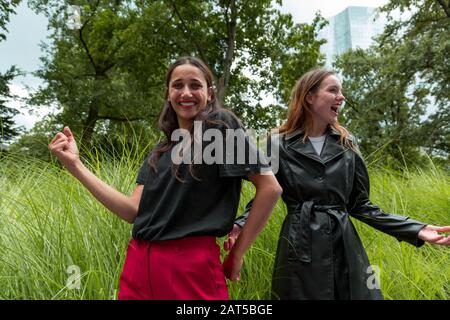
x,y
390,86
113,68
7,125
8,130
6,9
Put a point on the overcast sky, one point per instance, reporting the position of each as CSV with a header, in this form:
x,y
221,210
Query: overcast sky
x,y
27,30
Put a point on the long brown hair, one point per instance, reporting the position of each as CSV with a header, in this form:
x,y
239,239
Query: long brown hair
x,y
299,112
168,121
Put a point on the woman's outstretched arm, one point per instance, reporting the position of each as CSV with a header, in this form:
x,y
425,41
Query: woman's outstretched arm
x,y
64,147
401,227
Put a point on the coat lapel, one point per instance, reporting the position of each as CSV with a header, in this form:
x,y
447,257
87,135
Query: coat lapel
x,y
295,143
332,147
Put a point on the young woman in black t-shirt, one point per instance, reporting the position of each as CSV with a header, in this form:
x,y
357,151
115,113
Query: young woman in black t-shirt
x,y
178,209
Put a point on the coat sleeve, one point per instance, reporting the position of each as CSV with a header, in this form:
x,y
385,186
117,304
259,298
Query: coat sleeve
x,y
241,220
361,208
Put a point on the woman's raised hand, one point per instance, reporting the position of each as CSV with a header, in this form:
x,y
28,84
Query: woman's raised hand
x,y
64,147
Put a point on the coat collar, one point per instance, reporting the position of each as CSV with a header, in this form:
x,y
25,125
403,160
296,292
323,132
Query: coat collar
x,y
297,132
331,148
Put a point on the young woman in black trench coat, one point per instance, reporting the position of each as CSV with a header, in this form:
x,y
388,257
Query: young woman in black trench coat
x,y
324,181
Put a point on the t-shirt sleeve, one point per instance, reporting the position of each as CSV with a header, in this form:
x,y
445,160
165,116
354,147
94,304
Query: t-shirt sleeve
x,y
143,172
240,156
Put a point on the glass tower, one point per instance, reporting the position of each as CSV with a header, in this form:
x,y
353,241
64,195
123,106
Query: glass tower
x,y
352,28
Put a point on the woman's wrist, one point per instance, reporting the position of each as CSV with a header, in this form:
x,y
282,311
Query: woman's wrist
x,y
75,167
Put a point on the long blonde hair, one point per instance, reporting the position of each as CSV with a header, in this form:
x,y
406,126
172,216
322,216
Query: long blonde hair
x,y
299,115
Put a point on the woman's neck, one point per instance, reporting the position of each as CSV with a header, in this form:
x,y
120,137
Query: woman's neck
x,y
184,124
318,130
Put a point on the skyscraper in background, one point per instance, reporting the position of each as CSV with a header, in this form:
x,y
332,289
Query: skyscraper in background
x,y
352,28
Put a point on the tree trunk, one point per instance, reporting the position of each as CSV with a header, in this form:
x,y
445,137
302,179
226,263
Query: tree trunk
x,y
89,125
231,46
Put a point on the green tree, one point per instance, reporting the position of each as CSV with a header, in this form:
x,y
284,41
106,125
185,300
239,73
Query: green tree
x,y
425,36
7,129
6,9
112,69
34,142
380,108
254,49
435,133
85,69
390,85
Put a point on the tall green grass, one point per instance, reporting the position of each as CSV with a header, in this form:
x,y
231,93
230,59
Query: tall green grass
x,y
49,222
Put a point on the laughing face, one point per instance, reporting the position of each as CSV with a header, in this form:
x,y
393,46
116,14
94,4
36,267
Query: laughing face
x,y
188,93
326,101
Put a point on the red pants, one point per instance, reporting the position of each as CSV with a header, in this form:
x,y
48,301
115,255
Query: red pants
x,y
181,269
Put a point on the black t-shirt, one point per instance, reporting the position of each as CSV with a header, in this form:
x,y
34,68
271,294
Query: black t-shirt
x,y
202,205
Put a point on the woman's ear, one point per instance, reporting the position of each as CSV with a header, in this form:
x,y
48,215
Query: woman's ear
x,y
210,94
309,98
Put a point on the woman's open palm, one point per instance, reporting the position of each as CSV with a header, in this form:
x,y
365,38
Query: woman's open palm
x,y
435,235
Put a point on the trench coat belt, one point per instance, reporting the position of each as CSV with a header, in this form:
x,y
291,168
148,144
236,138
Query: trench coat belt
x,y
305,231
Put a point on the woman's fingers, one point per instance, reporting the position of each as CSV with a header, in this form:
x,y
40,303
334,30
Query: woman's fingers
x,y
58,136
226,245
442,229
59,146
232,267
235,276
232,237
229,243
435,238
68,133
443,241
64,147
53,140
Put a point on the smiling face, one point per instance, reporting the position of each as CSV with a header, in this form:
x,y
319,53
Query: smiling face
x,y
188,93
326,102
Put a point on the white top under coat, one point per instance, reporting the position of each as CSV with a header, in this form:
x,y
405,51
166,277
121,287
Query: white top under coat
x,y
317,143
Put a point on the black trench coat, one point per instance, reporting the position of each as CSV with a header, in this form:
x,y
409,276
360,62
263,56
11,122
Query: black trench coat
x,y
319,247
